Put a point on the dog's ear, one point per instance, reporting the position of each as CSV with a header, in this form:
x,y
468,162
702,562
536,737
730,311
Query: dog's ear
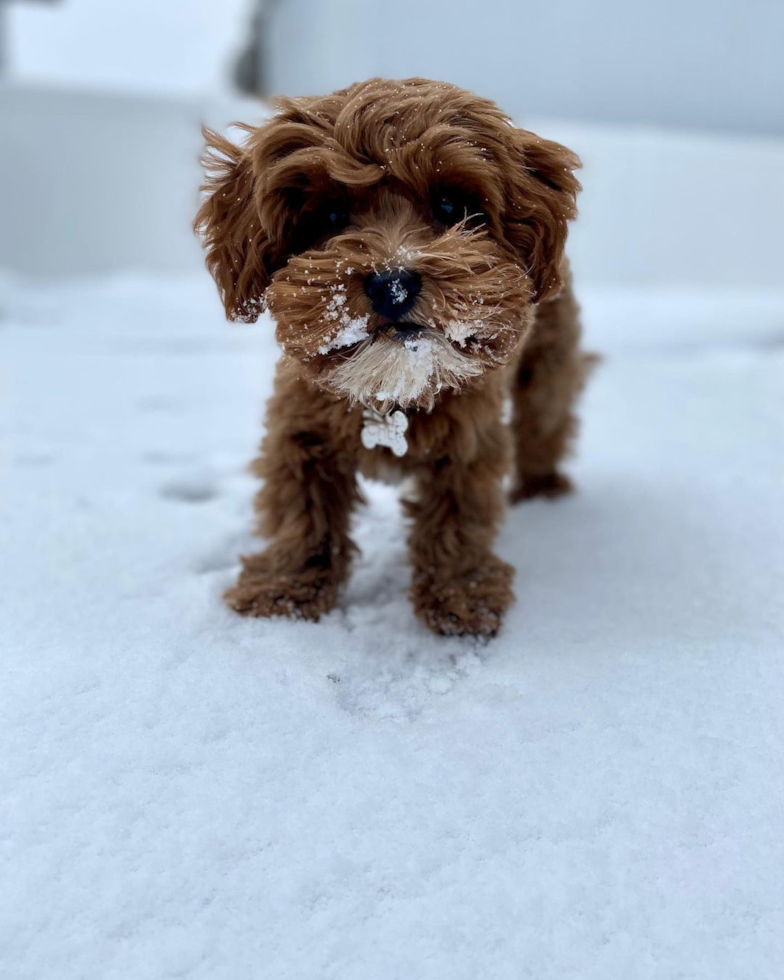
x,y
239,252
542,199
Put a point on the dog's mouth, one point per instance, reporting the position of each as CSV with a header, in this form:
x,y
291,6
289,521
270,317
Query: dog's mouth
x,y
402,333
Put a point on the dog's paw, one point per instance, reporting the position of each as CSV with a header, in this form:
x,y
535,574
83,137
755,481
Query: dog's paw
x,y
550,485
470,604
267,594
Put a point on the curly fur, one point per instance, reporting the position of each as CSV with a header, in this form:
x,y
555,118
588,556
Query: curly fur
x,y
495,312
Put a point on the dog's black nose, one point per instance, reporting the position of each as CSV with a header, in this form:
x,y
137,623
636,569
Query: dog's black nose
x,y
393,293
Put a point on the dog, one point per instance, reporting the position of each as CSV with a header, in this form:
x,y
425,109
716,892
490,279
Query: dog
x,y
408,242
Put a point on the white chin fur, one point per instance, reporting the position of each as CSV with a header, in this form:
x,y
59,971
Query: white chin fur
x,y
383,372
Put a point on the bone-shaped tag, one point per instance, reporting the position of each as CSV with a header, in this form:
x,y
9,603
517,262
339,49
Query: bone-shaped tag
x,y
385,430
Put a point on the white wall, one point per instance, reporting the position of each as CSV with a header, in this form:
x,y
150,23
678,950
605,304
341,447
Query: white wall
x,y
704,64
182,47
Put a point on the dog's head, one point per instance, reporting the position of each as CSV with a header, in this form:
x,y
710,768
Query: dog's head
x,y
398,232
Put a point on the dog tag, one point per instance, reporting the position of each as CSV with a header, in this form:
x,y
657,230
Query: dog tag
x,y
385,430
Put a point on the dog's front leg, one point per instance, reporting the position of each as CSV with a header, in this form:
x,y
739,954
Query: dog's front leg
x,y
459,586
304,510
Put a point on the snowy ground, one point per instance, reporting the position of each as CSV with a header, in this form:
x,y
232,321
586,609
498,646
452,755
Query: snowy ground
x,y
597,794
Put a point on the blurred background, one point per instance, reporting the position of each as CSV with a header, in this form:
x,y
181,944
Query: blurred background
x,y
189,794
675,108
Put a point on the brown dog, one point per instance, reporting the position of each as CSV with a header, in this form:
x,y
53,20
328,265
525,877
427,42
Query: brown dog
x,y
408,240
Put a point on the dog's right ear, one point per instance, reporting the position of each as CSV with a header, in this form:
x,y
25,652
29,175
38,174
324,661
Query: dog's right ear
x,y
238,248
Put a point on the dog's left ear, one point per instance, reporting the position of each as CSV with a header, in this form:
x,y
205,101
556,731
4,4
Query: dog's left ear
x,y
239,252
542,192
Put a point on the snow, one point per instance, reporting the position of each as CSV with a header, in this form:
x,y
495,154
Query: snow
x,y
595,794
399,292
460,331
353,330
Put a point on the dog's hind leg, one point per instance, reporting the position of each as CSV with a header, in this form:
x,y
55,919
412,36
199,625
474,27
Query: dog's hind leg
x,y
549,377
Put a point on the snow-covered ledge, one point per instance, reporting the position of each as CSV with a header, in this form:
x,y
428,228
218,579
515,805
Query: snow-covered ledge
x,y
102,181
96,182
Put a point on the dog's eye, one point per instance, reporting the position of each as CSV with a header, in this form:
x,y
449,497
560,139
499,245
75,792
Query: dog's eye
x,y
336,217
314,226
449,209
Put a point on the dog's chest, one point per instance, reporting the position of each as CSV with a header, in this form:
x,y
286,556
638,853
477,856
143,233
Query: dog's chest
x,y
393,445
